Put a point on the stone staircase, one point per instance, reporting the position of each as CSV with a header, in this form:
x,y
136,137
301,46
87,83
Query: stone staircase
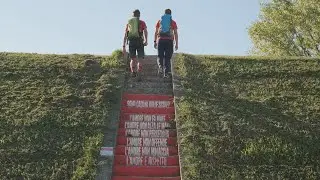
x,y
146,143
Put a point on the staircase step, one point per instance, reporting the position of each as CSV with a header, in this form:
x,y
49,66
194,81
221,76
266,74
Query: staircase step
x,y
149,66
148,62
146,117
145,178
147,103
157,97
150,72
135,84
147,125
150,91
149,171
146,150
147,110
147,133
146,144
150,58
155,78
154,142
146,160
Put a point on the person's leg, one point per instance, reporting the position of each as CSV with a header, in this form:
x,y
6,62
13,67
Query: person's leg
x,y
160,55
168,55
133,56
141,54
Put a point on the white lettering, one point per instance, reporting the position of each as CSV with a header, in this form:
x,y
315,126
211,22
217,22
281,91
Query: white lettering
x,y
134,160
157,161
154,133
146,117
133,132
132,151
147,161
147,151
152,104
132,125
146,125
147,133
134,141
154,142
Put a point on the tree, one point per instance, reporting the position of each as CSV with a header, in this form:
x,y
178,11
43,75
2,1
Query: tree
x,y
287,28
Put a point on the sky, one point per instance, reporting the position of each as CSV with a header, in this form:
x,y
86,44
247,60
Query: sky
x,y
218,27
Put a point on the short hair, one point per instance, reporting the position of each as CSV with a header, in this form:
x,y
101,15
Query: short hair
x,y
136,13
167,11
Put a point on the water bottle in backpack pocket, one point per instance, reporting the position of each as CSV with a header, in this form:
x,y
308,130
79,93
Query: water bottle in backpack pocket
x,y
165,26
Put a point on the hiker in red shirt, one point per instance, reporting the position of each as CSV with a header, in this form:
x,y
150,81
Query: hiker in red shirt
x,y
137,35
166,32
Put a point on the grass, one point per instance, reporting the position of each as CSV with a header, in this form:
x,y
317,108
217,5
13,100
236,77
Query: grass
x,y
53,110
249,117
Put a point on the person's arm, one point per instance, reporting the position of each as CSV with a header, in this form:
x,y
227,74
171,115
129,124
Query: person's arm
x,y
125,40
156,35
176,37
145,32
125,37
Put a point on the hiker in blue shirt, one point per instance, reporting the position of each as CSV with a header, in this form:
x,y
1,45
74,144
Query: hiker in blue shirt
x,y
166,32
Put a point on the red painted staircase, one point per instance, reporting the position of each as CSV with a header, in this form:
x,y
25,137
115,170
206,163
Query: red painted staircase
x,y
146,147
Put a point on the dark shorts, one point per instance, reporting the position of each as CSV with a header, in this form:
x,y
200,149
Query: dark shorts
x,y
136,47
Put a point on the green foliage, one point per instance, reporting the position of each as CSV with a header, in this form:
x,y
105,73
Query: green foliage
x,y
287,28
86,167
114,60
53,110
249,117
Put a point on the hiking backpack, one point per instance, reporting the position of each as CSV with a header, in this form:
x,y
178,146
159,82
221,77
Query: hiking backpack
x,y
133,28
165,25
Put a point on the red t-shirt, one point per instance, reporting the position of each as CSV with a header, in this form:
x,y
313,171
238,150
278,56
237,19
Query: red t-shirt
x,y
173,27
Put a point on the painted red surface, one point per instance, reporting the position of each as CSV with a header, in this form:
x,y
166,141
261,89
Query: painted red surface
x,y
148,171
126,116
150,102
155,161
147,110
122,150
122,132
146,146
152,125
157,97
171,141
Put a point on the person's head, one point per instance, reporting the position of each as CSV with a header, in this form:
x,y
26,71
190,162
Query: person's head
x,y
136,13
167,11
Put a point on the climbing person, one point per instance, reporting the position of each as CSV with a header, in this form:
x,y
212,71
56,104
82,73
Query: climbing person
x,y
136,35
165,34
